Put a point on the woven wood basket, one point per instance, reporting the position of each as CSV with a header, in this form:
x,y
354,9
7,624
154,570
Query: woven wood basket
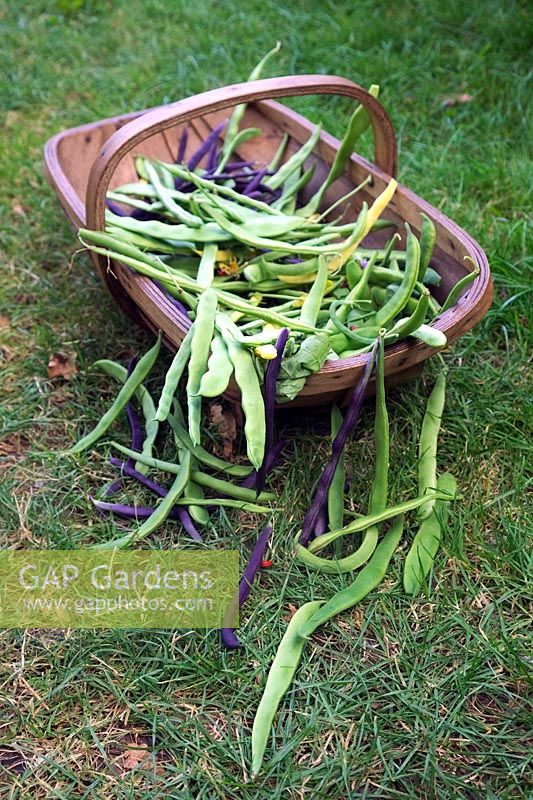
x,y
83,163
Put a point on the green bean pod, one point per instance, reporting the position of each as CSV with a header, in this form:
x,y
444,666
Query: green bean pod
x,y
428,237
404,327
206,267
219,369
151,425
294,162
423,550
362,523
354,273
404,291
210,482
430,336
167,200
251,399
380,483
427,446
161,511
203,329
278,681
368,579
173,376
127,391
312,302
457,290
336,489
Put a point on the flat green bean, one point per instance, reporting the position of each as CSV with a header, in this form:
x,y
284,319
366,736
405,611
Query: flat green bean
x,y
278,681
203,329
127,391
362,523
251,399
368,579
427,446
219,369
423,550
151,425
161,511
173,376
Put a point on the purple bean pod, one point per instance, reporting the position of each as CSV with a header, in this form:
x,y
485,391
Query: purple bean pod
x,y
269,397
182,145
183,515
271,458
227,635
206,146
349,422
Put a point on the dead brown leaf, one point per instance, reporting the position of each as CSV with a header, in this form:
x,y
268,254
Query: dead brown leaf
x,y
16,208
224,421
456,100
135,757
292,611
62,365
4,324
6,353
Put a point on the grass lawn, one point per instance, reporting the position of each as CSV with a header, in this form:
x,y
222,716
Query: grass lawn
x,y
398,698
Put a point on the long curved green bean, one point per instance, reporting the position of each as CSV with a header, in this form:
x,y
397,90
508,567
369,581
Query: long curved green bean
x,y
127,391
251,398
210,482
203,328
406,326
368,579
404,291
167,200
174,374
362,523
428,237
380,484
336,489
161,511
427,446
151,425
278,681
423,550
294,162
204,456
312,302
457,290
219,369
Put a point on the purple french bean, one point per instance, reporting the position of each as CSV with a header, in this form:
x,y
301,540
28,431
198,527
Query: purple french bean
x,y
182,145
349,422
227,635
205,146
269,397
184,516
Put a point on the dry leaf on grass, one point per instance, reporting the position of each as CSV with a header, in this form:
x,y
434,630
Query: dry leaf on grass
x,y
16,208
135,757
6,353
4,324
62,365
456,100
224,421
